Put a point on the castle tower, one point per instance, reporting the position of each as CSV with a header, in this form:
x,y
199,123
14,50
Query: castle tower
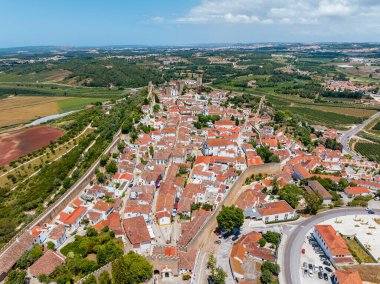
x,y
199,80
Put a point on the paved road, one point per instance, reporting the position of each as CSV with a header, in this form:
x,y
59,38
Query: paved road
x,y
345,140
292,253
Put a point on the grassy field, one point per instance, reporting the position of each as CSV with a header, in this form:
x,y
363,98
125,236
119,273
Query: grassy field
x,y
357,249
369,150
20,109
69,104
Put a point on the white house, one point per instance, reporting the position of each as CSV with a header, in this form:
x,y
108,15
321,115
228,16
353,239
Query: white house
x,y
332,244
276,211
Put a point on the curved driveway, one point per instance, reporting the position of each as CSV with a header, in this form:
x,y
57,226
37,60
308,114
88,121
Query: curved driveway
x,y
292,253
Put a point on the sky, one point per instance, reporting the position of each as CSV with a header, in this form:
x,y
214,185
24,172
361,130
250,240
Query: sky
x,y
185,22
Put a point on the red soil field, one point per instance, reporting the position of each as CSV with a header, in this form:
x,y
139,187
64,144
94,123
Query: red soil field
x,y
19,143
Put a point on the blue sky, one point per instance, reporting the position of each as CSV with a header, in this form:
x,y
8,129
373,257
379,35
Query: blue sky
x,y
161,22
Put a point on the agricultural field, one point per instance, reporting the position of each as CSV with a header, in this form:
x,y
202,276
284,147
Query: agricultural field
x,y
59,90
20,109
12,175
369,150
22,142
49,76
356,112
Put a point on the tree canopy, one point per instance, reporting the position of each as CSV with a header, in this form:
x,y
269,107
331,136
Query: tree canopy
x,y
131,269
230,217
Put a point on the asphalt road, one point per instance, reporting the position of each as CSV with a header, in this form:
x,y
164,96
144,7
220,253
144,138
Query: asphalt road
x,y
292,253
345,140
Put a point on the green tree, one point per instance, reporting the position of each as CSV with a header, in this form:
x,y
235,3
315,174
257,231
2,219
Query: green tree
x,y
90,280
267,156
16,277
272,237
131,269
100,177
313,202
262,242
151,151
91,232
121,146
272,267
156,99
156,108
291,194
103,160
182,170
266,277
279,116
230,217
43,278
111,167
28,258
104,278
217,274
50,245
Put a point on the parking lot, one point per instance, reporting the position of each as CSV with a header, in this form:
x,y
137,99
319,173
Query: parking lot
x,y
315,267
222,255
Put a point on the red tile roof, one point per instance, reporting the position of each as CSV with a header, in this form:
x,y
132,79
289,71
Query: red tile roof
x,y
274,208
348,277
46,263
355,190
136,230
333,240
75,215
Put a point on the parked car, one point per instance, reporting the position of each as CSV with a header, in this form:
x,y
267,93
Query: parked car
x,y
371,212
234,238
328,269
320,275
326,263
218,241
310,273
320,268
303,251
325,276
304,265
311,266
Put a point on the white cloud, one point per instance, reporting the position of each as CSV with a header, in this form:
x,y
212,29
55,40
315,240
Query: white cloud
x,y
276,11
335,8
157,19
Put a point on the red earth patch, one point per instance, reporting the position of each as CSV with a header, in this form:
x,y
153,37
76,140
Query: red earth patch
x,y
16,144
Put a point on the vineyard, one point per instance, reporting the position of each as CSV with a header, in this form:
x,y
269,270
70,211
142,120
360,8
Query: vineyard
x,y
369,150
